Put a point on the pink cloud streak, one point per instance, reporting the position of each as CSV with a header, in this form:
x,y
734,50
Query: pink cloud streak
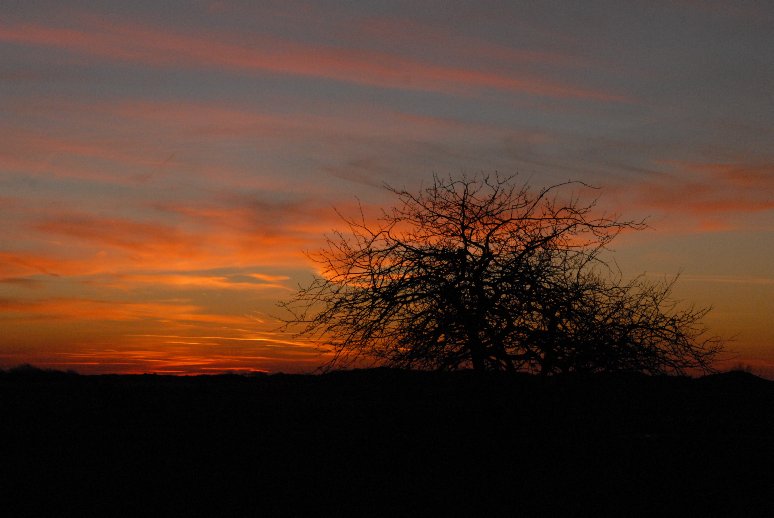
x,y
703,196
155,47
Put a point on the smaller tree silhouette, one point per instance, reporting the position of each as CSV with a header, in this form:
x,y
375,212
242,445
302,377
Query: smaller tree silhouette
x,y
482,272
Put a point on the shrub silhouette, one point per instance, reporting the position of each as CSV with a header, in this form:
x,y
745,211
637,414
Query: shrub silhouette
x,y
483,272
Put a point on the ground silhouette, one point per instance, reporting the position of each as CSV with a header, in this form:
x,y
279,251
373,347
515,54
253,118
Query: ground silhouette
x,y
386,442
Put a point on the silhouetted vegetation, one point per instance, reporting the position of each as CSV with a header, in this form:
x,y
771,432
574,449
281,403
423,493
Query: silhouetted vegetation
x,y
386,442
488,274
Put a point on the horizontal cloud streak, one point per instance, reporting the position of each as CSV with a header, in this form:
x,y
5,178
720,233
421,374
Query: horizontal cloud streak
x,y
707,197
110,310
134,43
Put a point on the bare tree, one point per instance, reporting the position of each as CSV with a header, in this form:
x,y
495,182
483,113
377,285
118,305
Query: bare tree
x,y
483,272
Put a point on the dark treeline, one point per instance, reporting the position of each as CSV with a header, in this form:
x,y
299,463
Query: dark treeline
x,y
386,442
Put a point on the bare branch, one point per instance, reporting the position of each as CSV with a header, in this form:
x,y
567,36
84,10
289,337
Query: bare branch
x,y
483,272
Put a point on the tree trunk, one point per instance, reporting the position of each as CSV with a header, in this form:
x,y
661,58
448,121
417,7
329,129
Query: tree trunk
x,y
476,352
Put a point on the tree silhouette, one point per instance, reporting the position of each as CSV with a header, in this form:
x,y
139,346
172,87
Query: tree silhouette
x,y
484,272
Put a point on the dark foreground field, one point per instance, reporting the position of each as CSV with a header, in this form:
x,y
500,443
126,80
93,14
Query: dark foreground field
x,y
386,443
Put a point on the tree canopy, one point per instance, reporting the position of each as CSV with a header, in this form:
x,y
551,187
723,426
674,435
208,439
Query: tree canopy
x,y
484,272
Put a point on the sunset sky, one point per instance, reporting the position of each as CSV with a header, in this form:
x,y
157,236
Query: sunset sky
x,y
163,165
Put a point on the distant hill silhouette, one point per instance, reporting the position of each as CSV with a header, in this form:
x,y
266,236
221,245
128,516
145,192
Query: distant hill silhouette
x,y
386,442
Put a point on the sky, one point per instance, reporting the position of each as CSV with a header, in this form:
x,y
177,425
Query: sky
x,y
164,166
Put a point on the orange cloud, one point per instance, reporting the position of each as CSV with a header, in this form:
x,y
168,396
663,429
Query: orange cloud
x,y
151,337
76,309
120,233
29,143
171,354
208,237
17,264
133,43
197,280
226,231
707,197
